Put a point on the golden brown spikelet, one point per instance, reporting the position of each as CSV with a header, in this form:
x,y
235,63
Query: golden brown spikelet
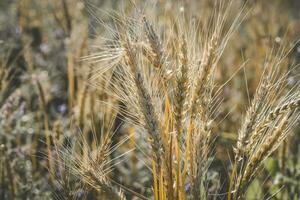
x,y
145,103
256,157
262,98
267,122
277,112
92,166
182,88
155,53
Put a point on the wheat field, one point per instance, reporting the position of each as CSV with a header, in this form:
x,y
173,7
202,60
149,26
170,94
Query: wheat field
x,y
156,99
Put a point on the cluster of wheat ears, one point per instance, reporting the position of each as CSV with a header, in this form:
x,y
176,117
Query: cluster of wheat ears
x,y
162,83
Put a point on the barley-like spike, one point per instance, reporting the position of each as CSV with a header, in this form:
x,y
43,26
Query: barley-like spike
x,y
146,105
206,69
156,53
263,151
251,119
271,117
182,88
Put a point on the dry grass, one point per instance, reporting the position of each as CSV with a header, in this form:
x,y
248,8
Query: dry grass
x,y
147,108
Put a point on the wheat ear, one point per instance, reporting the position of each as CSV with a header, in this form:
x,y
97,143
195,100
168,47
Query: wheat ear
x,y
145,102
